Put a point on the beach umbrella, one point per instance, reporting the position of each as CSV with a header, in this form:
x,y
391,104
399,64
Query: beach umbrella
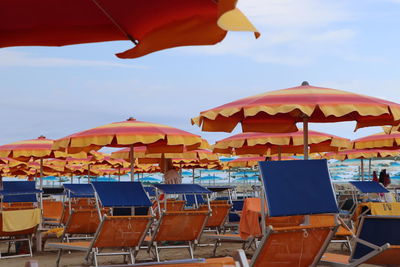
x,y
279,111
379,140
152,25
267,144
33,149
131,133
361,154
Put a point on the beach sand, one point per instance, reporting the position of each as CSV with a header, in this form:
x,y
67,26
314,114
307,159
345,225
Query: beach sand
x,y
48,258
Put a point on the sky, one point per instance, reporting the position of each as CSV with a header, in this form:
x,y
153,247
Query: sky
x,y
341,44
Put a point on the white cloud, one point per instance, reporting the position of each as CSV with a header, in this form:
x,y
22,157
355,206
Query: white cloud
x,y
10,58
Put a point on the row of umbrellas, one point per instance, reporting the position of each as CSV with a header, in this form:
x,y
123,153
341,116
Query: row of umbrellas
x,y
276,112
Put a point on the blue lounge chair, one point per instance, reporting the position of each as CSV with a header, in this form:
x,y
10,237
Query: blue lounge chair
x,y
295,188
126,233
377,242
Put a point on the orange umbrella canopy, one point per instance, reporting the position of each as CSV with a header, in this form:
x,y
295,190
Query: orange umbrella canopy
x,y
152,25
273,143
279,111
201,155
131,133
379,140
27,149
361,154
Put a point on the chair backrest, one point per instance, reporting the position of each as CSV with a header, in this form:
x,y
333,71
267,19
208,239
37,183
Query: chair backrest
x,y
83,221
298,187
18,233
52,209
295,245
219,214
378,230
121,194
181,225
121,231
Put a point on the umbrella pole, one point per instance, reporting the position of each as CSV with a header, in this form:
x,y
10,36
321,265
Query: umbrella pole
x,y
362,169
72,178
305,136
369,168
229,175
88,174
38,233
132,159
279,153
119,174
193,174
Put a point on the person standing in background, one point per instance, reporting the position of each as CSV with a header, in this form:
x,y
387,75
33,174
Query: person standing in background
x,y
375,177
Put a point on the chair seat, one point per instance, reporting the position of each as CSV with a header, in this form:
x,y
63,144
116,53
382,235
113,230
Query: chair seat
x,y
81,246
227,237
335,258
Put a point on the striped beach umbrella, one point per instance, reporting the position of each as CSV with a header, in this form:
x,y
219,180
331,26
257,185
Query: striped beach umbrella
x,y
152,25
379,140
156,138
361,154
267,144
279,111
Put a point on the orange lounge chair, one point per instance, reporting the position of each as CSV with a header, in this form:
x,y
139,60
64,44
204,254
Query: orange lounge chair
x,y
377,242
171,205
218,217
125,233
13,237
52,210
177,226
81,224
301,245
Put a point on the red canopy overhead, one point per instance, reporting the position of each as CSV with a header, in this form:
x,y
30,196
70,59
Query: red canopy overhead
x,y
152,25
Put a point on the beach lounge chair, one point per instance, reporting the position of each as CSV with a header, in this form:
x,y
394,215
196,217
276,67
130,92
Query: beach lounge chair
x,y
294,188
22,198
122,235
52,211
218,217
377,242
177,226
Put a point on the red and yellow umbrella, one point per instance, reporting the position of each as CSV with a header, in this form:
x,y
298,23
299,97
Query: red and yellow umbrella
x,y
267,144
152,25
279,111
361,154
379,140
156,138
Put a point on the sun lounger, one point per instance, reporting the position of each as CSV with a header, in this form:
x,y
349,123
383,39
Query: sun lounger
x,y
377,242
16,237
296,188
218,217
124,234
20,195
184,227
52,211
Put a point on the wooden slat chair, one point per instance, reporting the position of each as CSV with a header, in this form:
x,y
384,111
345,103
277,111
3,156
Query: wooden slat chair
x,y
13,237
122,233
177,226
377,242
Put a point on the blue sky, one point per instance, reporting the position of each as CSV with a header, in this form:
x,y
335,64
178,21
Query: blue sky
x,y
348,45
